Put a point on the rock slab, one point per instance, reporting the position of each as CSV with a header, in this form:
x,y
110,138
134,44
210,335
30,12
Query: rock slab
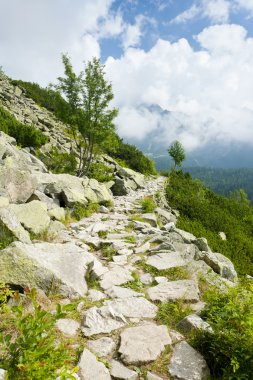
x,y
143,344
187,364
90,368
171,291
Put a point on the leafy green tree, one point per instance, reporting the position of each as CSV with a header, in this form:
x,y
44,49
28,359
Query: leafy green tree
x,y
177,153
91,119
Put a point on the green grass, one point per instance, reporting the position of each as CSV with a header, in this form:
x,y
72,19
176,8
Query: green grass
x,y
81,211
205,214
229,350
148,205
135,284
6,238
170,313
25,135
172,274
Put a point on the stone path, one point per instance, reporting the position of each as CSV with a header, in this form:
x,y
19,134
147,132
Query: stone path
x,y
139,261
121,265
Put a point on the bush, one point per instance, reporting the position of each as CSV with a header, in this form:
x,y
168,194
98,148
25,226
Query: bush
x,y
30,351
47,98
205,214
101,172
81,211
170,313
229,350
132,157
25,135
58,162
148,204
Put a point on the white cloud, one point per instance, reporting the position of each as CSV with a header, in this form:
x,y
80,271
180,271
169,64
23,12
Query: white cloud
x,y
245,4
187,15
216,10
133,32
35,33
208,92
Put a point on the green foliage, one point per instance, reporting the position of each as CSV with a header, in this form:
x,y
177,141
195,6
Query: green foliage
x,y
101,172
47,98
5,293
172,274
229,350
30,351
130,239
58,162
225,181
177,153
107,251
205,214
170,313
135,284
6,238
25,135
89,96
148,204
130,156
81,211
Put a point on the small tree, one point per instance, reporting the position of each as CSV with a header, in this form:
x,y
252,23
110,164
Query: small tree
x,y
177,153
91,119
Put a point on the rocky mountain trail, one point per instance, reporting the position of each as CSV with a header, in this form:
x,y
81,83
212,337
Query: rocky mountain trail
x,y
118,266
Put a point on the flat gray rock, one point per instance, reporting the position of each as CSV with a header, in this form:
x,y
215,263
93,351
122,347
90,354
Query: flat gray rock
x,y
173,290
187,364
95,295
101,320
113,314
166,260
143,344
68,326
120,372
102,347
152,376
133,307
9,222
90,368
120,292
116,276
193,322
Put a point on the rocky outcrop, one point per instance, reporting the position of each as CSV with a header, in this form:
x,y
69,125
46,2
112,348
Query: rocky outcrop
x,y
27,111
46,266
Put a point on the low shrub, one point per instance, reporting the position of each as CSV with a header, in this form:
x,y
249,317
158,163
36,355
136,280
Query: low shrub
x,y
229,350
58,162
100,172
205,214
29,351
81,211
170,313
6,238
25,135
148,205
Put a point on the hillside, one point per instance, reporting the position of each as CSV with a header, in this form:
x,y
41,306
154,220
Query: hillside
x,y
100,280
225,181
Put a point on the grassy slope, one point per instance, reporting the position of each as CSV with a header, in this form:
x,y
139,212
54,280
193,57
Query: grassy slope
x,y
205,214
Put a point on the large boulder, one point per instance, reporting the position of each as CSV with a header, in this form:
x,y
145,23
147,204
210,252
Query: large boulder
x,y
10,225
187,364
219,263
47,266
33,216
15,184
70,190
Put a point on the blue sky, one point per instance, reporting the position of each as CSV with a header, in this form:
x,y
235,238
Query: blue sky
x,y
180,69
